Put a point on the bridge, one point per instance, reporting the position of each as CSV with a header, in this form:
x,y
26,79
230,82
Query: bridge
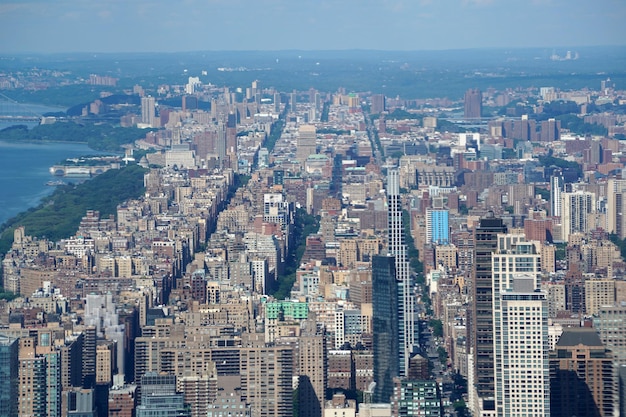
x,y
16,112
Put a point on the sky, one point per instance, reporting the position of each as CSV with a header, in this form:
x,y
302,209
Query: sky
x,y
52,26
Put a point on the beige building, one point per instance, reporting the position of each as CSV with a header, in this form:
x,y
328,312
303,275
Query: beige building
x,y
312,369
600,254
266,380
348,253
599,293
582,364
446,255
306,142
199,390
556,297
39,377
339,406
615,219
548,259
620,292
104,362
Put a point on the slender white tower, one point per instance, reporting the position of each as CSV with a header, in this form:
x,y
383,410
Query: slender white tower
x,y
397,248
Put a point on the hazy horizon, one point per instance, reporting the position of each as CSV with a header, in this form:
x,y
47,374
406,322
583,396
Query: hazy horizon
x,y
158,26
555,48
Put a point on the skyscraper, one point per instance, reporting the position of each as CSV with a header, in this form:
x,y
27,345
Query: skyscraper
x,y
385,326
9,366
307,142
148,110
231,140
615,215
522,374
312,368
32,380
293,99
520,314
576,206
266,374
611,326
378,103
557,186
480,329
473,103
397,249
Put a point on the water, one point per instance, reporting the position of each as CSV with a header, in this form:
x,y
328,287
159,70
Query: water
x,y
24,171
24,167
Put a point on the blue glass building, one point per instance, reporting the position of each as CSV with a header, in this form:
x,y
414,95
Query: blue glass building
x,y
437,227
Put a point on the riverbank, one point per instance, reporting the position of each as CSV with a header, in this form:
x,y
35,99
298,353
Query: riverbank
x,y
25,170
59,214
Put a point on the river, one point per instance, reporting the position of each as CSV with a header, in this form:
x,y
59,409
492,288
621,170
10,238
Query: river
x,y
24,172
24,167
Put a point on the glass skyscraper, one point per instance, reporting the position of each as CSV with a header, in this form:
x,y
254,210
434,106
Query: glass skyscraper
x,y
385,326
9,366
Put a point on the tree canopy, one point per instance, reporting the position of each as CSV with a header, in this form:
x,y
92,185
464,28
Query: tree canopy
x,y
102,137
59,215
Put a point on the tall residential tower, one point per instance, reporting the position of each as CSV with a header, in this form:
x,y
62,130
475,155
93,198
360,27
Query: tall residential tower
x,y
473,103
385,326
397,248
480,329
520,319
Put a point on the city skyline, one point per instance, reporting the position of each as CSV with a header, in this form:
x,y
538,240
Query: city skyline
x,y
113,26
275,245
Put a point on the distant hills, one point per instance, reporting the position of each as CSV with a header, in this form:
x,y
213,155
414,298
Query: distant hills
x,y
408,74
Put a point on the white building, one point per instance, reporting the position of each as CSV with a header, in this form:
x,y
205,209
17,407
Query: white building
x,y
520,319
180,156
521,350
148,105
275,209
575,209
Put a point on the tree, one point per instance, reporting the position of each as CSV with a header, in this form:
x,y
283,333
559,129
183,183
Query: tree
x,y
460,408
443,355
304,225
59,215
437,326
7,295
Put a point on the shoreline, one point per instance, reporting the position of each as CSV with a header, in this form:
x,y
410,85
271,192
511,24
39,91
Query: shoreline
x,y
35,142
27,170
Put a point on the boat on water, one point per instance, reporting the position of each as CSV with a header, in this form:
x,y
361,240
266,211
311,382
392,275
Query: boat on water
x,y
55,183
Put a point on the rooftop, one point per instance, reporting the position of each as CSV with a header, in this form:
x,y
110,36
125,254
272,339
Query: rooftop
x,y
573,336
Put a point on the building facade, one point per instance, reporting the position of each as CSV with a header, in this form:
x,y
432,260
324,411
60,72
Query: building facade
x,y
583,379
480,329
397,248
385,326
